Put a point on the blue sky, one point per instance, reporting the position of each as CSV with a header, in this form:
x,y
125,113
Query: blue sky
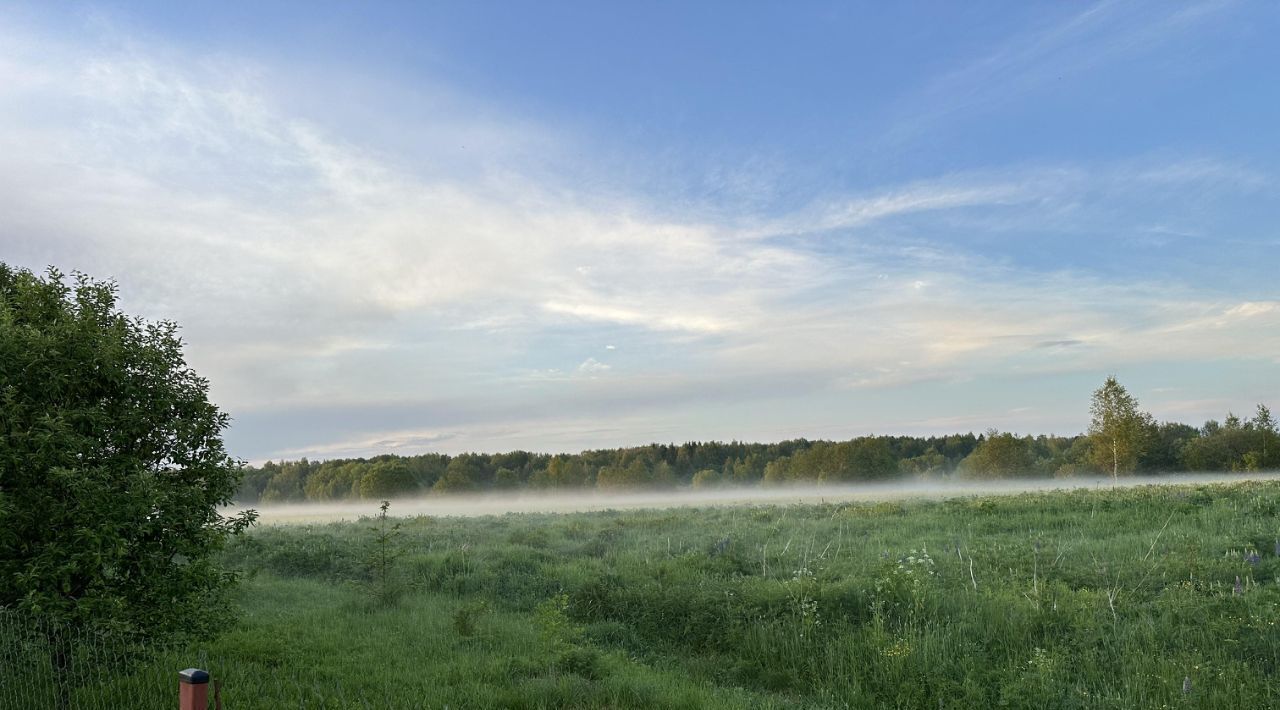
x,y
552,226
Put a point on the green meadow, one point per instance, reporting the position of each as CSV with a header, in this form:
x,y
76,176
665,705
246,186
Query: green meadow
x,y
1084,599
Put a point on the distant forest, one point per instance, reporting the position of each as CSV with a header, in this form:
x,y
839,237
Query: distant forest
x,y
1234,444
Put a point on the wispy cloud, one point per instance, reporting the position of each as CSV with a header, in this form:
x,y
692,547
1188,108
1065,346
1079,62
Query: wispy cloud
x,y
592,366
403,442
659,319
932,196
314,271
1078,40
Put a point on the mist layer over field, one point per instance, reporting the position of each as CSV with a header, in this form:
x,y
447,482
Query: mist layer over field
x,y
498,503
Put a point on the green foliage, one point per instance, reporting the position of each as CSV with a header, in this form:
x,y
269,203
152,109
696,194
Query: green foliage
x,y
562,472
1000,455
636,475
1170,447
707,478
385,585
931,462
288,482
335,480
112,467
387,479
1088,599
1119,432
467,616
862,459
1167,445
463,473
505,478
553,619
565,639
1235,445
1094,598
1267,451
300,646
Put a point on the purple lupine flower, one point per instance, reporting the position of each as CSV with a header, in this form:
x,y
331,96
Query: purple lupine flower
x,y
1252,558
1278,547
1186,685
1239,588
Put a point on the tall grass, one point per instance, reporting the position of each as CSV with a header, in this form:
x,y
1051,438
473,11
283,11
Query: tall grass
x,y
1091,599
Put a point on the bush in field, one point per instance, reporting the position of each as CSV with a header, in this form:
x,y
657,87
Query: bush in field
x,y
565,638
466,617
112,466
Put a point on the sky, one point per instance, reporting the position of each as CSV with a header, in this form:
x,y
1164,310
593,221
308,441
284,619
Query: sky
x,y
552,226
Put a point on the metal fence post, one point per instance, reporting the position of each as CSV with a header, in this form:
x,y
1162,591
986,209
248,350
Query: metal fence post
x,y
193,689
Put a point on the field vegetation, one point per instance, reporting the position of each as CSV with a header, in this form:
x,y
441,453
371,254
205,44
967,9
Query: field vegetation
x,y
1149,597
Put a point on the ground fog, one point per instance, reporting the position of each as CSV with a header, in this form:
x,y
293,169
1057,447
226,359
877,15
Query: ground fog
x,y
499,503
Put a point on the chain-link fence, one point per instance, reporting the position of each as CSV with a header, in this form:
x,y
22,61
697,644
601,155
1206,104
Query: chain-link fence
x,y
50,665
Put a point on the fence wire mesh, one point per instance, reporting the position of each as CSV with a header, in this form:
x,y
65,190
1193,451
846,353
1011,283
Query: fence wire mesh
x,y
50,665
58,667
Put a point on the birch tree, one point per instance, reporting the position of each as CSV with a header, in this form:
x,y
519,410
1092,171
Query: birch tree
x,y
1119,431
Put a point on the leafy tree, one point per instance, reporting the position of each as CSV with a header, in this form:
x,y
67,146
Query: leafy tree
x,y
778,471
1119,431
464,473
746,470
929,462
662,475
861,459
287,485
1268,447
255,481
999,456
1234,444
1075,460
387,479
1209,451
564,472
1169,441
707,478
507,478
636,475
112,466
334,480
958,446
869,458
427,468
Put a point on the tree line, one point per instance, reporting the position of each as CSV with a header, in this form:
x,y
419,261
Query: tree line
x,y
1122,439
